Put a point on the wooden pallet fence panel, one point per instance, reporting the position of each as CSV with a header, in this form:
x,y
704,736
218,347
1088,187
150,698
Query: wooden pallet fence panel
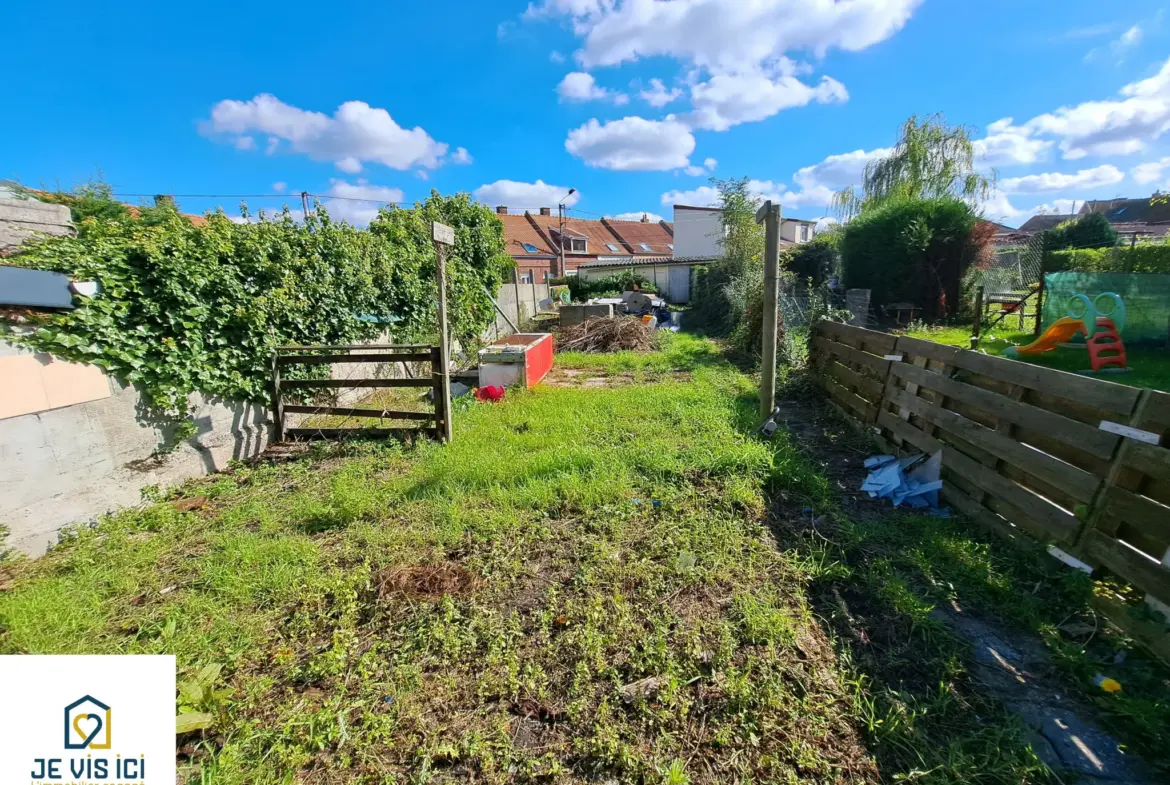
x,y
849,354
871,388
1076,482
859,338
329,359
861,408
309,384
1094,440
1132,565
345,411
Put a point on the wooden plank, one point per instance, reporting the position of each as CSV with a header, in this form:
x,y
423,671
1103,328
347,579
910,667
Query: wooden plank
x,y
310,384
1087,437
341,411
1071,386
1057,522
326,359
1077,483
878,342
871,387
1157,411
277,409
871,361
865,410
308,434
1148,517
986,518
904,430
916,347
1141,571
1155,637
353,347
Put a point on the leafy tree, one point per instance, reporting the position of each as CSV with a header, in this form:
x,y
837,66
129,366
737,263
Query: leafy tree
x,y
930,161
816,259
912,250
1088,231
93,199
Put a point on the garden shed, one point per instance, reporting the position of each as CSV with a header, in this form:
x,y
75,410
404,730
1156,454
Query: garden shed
x,y
671,274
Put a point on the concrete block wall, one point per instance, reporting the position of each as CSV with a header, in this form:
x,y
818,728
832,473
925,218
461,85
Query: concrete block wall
x,y
70,465
519,310
23,218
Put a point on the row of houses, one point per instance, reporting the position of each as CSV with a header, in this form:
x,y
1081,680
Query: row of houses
x,y
547,246
1132,219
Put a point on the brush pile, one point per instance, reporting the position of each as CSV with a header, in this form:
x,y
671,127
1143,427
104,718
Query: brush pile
x,y
601,334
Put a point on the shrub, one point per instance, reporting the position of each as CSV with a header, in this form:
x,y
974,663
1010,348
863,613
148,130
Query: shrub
x,y
1122,259
911,250
609,286
817,259
1088,231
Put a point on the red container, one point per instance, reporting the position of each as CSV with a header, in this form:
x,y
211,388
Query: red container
x,y
523,358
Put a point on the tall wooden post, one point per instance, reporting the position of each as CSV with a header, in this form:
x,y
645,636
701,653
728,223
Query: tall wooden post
x,y
769,215
444,238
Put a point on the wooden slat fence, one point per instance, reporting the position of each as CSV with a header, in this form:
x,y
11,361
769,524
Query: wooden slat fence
x,y
377,356
1025,453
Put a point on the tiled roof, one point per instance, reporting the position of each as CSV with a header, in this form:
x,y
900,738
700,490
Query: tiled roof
x,y
658,235
518,231
1042,223
1118,211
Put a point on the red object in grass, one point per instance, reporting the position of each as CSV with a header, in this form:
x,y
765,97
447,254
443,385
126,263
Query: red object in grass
x,y
493,393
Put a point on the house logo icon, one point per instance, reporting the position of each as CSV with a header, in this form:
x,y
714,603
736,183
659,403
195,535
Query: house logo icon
x,y
87,725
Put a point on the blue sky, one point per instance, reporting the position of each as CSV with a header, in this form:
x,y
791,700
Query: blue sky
x,y
635,103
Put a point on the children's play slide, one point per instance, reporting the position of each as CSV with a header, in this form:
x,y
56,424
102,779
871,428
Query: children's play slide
x,y
1060,331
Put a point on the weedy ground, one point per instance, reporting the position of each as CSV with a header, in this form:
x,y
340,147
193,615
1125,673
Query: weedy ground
x,y
583,587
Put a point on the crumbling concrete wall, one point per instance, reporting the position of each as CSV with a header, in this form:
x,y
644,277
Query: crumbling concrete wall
x,y
24,218
69,465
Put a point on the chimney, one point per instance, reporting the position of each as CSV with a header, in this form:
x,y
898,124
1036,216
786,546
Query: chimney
x,y
501,210
164,199
546,211
645,218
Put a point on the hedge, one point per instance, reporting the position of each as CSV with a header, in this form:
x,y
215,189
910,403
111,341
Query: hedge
x,y
1122,259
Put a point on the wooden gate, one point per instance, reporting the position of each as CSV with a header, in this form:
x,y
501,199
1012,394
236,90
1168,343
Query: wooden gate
x,y
328,419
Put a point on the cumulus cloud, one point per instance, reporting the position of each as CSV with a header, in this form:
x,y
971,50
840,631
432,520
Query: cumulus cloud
x,y
580,86
355,134
633,144
710,163
527,195
1007,144
461,156
658,96
636,216
1000,209
245,143
358,202
1111,127
708,196
1096,177
1150,172
728,100
724,35
703,196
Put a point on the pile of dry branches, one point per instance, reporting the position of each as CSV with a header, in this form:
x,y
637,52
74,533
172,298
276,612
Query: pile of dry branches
x,y
601,334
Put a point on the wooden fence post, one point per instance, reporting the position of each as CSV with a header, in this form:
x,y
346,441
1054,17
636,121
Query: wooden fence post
x,y
277,406
441,414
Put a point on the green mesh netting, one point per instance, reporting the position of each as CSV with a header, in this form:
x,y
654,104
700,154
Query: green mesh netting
x,y
1146,297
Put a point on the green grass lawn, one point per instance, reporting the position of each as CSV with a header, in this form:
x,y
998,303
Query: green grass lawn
x,y
1149,367
582,587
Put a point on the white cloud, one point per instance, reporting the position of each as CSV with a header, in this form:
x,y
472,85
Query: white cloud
x,y
658,96
635,216
461,156
1000,209
272,146
710,163
348,208
524,195
703,196
694,171
279,187
245,143
356,133
556,57
633,144
1009,145
1150,172
840,170
1096,177
1111,127
580,86
708,196
1119,47
724,35
726,100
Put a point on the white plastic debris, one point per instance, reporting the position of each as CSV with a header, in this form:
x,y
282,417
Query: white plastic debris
x,y
913,480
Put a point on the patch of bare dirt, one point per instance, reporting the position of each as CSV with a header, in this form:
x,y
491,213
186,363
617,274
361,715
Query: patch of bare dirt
x,y
427,581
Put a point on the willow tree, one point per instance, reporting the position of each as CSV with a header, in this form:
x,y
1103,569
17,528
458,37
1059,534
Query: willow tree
x,y
931,160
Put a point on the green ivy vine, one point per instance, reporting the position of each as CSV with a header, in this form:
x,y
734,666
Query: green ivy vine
x,y
198,306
